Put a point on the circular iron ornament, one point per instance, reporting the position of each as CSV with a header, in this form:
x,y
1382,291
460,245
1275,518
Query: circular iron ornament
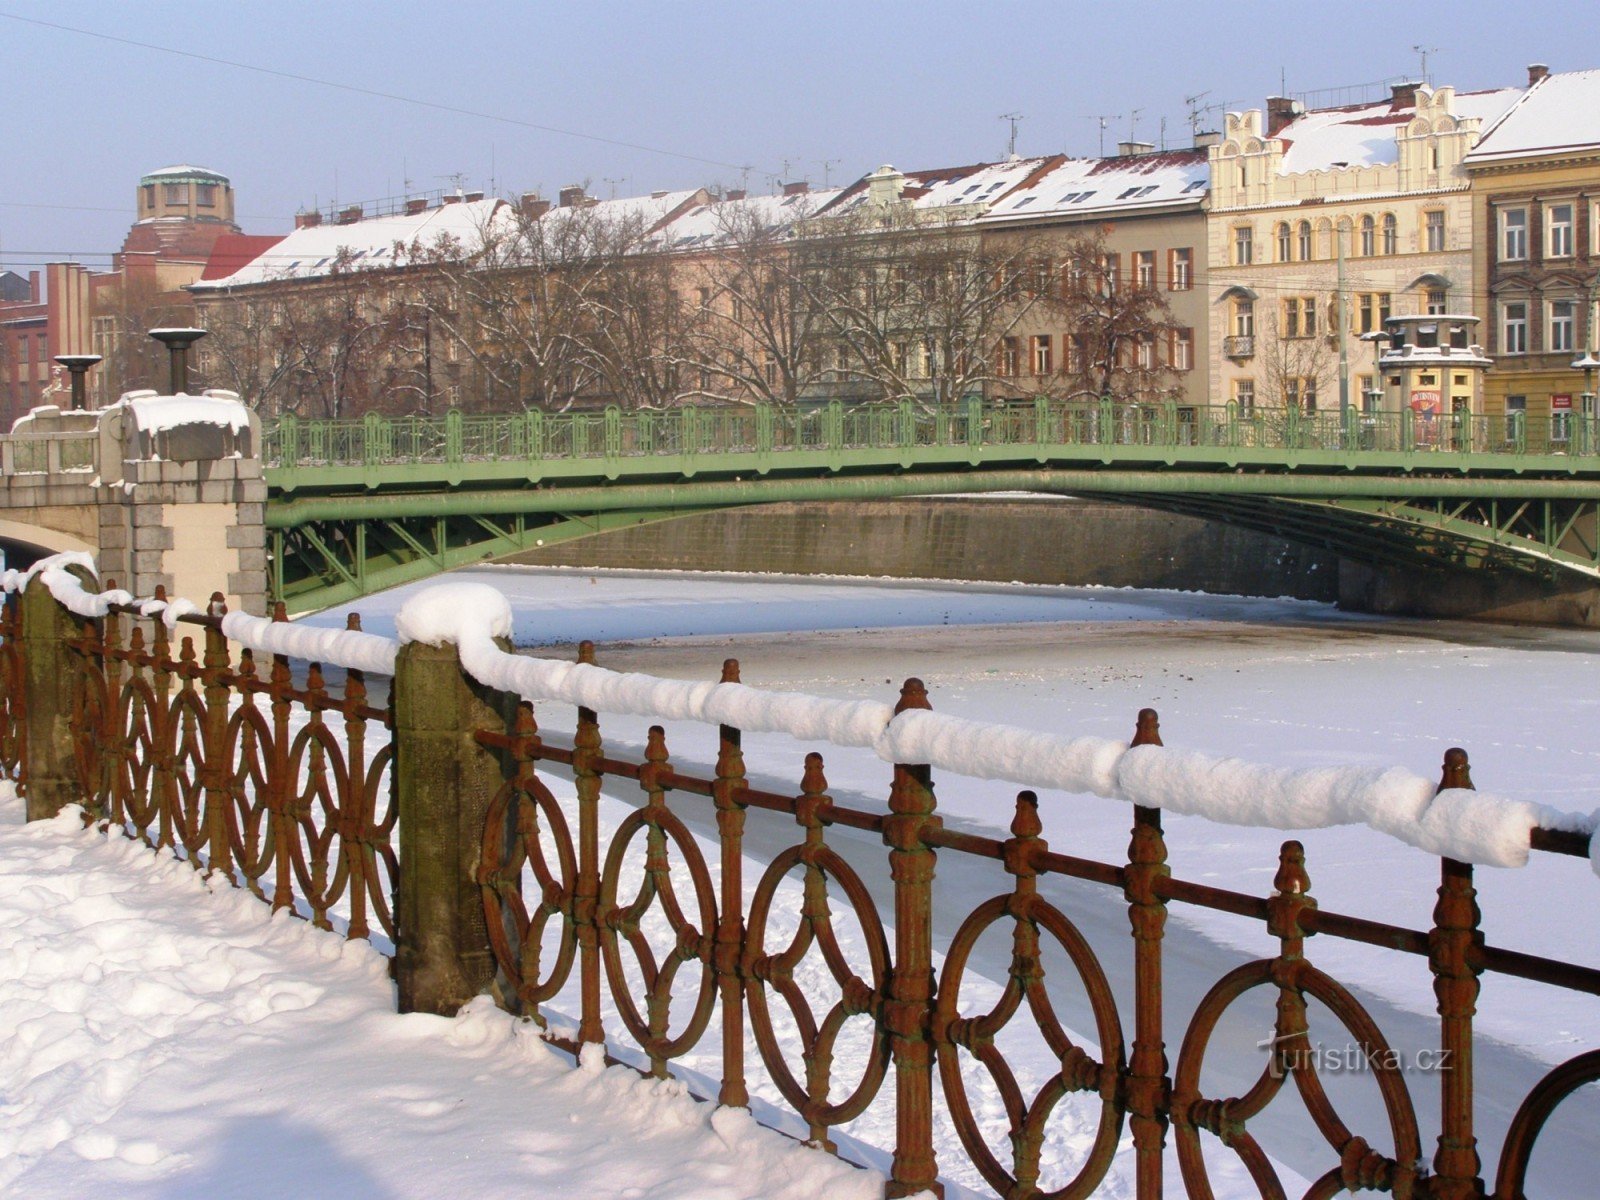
x,y
1546,1096
857,996
321,783
1360,1166
138,722
512,847
250,755
692,943
186,752
1079,1072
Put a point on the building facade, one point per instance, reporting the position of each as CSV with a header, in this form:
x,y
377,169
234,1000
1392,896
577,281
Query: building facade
x,y
1322,225
1536,238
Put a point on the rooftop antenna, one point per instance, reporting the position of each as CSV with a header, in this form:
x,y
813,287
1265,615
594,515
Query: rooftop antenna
x,y
1011,142
1423,52
1105,123
1163,131
1192,103
613,185
827,165
456,177
1133,124
405,177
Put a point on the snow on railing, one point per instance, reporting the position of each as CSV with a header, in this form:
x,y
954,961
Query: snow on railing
x,y
1470,826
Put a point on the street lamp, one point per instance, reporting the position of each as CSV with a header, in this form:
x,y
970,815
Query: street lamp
x,y
1587,365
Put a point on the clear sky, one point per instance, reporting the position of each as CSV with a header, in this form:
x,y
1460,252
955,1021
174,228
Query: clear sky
x,y
713,86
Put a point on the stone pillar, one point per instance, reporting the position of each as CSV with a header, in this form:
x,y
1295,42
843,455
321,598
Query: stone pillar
x,y
444,783
49,772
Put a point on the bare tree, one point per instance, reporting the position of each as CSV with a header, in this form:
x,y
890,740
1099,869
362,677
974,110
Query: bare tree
x,y
1117,330
1296,365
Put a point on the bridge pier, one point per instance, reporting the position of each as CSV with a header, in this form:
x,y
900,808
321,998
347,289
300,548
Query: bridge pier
x,y
1468,595
162,491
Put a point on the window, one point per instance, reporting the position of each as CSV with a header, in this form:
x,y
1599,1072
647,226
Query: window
x,y
1043,271
1043,360
1144,270
1391,234
1144,352
1558,231
149,190
23,353
1300,391
1364,313
1563,321
1300,317
1244,395
704,295
1244,318
1369,237
1433,225
1243,246
177,193
1182,353
1435,302
1514,328
1513,234
1010,356
1180,269
1302,238
205,195
1285,245
1110,269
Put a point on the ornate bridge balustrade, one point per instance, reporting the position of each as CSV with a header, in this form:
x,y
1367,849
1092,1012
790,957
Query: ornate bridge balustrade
x,y
430,819
560,906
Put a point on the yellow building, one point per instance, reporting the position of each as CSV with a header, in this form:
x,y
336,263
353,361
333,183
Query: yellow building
x,y
1535,179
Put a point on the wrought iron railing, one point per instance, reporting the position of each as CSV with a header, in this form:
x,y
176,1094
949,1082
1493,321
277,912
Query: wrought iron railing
x,y
545,866
764,429
279,784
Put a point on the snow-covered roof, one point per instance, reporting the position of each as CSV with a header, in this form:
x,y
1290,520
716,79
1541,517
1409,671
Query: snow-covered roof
x,y
719,221
642,213
1560,112
1085,185
310,253
183,171
1363,135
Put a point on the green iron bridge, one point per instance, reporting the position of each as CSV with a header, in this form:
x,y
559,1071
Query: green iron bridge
x,y
358,506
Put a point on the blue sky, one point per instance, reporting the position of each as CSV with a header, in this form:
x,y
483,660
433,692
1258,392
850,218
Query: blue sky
x,y
719,85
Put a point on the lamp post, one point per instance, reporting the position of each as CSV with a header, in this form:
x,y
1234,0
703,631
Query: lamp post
x,y
177,341
1587,365
78,365
1373,397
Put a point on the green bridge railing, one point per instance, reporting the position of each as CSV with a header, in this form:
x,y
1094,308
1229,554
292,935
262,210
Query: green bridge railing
x,y
766,429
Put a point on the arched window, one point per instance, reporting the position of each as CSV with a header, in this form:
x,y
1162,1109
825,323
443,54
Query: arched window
x,y
1369,243
1283,241
1303,241
1391,234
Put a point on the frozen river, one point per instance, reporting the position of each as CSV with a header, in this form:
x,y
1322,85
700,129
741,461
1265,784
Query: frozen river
x,y
1272,681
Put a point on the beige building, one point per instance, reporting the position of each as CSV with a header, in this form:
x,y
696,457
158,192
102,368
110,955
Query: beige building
x,y
1322,225
1536,237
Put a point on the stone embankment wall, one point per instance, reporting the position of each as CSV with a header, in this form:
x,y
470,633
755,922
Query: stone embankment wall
x,y
1012,538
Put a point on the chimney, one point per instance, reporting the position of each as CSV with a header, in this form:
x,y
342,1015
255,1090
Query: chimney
x,y
1125,149
798,188
884,186
451,198
307,220
735,194
1280,111
1205,139
472,196
571,196
1403,95
350,215
416,206
33,287
1536,72
658,195
532,206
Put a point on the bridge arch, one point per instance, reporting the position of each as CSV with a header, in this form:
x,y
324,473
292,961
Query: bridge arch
x,y
23,543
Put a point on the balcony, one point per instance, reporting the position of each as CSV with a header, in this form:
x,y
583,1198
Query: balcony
x,y
1239,347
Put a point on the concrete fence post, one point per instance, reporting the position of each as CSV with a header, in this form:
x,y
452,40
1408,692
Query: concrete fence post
x,y
50,773
444,782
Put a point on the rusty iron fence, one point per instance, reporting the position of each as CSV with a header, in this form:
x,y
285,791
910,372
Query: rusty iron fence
x,y
293,789
235,766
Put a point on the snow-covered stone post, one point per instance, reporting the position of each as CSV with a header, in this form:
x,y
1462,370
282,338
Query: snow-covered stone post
x,y
908,1012
1147,913
1453,949
445,781
49,772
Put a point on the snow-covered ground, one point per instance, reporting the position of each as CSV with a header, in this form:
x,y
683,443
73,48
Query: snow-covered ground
x,y
1278,682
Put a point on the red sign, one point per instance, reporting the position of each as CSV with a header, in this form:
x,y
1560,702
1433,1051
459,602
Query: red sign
x,y
1561,403
1425,403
